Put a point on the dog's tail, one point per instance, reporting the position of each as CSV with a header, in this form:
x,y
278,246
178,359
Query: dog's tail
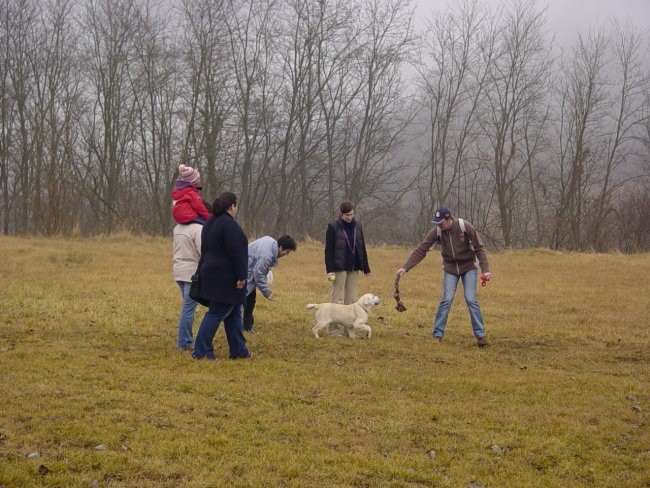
x,y
312,305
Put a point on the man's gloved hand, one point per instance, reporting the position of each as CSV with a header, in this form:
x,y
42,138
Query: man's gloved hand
x,y
485,277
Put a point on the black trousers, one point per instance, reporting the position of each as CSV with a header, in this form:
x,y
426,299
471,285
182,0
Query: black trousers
x,y
249,320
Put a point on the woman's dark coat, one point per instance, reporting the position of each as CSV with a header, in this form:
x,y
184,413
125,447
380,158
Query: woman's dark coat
x,y
338,255
224,251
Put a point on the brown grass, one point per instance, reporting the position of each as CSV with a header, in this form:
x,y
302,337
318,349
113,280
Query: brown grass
x,y
93,383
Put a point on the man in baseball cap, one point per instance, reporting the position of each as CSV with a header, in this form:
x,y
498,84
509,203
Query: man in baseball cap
x,y
462,249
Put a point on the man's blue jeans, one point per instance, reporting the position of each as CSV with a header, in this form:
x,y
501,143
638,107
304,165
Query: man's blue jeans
x,y
186,320
231,315
449,285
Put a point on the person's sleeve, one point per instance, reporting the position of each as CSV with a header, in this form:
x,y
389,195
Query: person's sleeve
x,y
260,273
366,266
197,239
237,247
204,236
421,251
198,206
479,249
330,240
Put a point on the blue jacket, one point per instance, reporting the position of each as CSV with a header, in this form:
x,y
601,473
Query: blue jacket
x,y
224,250
262,256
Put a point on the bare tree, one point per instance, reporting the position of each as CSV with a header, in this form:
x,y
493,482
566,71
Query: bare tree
x,y
535,192
20,22
251,30
6,109
208,99
56,111
155,84
343,96
582,109
383,111
300,140
625,118
458,51
298,104
339,50
632,216
38,113
109,123
515,95
633,202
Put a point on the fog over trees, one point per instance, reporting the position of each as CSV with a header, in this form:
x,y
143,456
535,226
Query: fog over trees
x,y
296,105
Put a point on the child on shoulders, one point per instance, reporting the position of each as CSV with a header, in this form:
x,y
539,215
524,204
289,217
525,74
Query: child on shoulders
x,y
187,204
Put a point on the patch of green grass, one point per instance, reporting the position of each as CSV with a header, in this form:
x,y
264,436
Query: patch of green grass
x,y
94,384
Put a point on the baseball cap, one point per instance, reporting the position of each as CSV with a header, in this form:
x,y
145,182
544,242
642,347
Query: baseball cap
x,y
441,215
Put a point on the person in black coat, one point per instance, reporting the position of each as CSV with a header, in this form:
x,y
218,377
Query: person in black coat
x,y
223,272
345,255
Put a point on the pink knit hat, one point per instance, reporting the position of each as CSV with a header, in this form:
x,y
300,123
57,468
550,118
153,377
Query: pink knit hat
x,y
189,174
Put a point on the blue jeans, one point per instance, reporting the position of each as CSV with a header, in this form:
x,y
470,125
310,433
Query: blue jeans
x,y
185,339
449,285
231,315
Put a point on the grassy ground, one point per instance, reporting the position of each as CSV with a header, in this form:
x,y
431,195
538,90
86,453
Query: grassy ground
x,y
95,393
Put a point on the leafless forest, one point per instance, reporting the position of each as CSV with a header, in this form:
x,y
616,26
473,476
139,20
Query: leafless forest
x,y
295,105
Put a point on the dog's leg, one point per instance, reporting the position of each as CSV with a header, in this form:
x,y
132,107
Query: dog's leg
x,y
360,324
335,330
366,328
350,329
318,327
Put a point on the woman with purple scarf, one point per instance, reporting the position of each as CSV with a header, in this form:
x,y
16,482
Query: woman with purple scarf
x,y
345,255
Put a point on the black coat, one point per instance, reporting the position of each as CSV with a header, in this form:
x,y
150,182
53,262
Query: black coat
x,y
338,252
224,251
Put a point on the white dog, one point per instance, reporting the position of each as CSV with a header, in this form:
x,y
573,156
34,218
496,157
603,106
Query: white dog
x,y
351,317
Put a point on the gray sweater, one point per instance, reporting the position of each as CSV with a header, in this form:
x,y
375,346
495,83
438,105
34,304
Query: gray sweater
x,y
262,256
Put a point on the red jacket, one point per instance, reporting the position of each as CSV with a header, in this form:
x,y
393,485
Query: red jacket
x,y
187,204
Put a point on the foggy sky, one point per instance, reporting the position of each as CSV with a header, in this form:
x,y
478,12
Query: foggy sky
x,y
566,17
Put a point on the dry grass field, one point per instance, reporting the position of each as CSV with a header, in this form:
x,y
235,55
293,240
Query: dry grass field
x,y
94,392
